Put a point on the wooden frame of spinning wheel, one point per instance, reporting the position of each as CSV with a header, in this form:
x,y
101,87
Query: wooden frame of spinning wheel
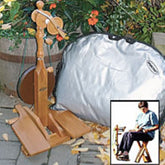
x,y
33,127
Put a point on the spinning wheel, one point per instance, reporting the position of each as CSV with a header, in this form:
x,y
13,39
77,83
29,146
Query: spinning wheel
x,y
116,131
40,128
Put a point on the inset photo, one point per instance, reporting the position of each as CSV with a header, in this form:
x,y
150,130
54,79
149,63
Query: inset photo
x,y
134,132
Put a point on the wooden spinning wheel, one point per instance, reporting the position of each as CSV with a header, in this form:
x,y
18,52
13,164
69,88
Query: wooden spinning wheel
x,y
116,131
40,128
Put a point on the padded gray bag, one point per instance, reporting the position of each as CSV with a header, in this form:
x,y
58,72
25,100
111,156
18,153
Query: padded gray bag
x,y
99,67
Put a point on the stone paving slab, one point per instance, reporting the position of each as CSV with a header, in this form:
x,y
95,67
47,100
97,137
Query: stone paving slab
x,y
63,158
7,162
91,147
89,159
6,114
8,101
5,128
39,159
9,150
90,153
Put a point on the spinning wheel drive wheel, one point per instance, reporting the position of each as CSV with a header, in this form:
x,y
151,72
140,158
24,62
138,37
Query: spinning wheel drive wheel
x,y
25,85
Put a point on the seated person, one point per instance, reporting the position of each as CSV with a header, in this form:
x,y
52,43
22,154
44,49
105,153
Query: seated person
x,y
146,124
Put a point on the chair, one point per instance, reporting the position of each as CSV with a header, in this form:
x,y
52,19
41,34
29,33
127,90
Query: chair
x,y
143,152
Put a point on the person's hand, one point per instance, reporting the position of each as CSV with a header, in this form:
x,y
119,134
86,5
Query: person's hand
x,y
145,130
138,129
135,130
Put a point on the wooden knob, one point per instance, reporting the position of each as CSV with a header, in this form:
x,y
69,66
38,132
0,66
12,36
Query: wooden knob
x,y
50,69
40,4
48,41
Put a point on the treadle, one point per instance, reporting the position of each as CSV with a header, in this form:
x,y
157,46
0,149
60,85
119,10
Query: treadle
x,y
29,135
33,135
70,122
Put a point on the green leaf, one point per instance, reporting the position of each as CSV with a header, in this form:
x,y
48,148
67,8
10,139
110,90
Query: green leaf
x,y
132,4
68,15
61,44
53,13
99,25
85,27
97,28
162,5
75,34
14,10
93,2
151,9
152,25
73,37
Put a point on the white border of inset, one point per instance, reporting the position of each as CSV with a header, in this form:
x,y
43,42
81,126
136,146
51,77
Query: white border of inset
x,y
124,113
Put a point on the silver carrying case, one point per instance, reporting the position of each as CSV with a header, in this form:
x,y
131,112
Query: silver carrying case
x,y
101,67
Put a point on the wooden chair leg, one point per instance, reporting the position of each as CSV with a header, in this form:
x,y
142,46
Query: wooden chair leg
x,y
140,154
143,150
140,148
148,158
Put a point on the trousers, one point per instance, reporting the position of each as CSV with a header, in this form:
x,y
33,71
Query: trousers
x,y
129,137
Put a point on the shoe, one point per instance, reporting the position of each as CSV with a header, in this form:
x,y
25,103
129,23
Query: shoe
x,y
123,157
119,153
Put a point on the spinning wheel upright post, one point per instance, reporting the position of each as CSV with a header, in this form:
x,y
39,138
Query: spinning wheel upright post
x,y
40,128
40,80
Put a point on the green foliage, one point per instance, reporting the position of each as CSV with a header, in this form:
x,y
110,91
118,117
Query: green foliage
x,y
14,10
138,19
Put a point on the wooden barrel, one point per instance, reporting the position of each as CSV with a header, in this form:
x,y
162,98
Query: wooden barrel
x,y
11,61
